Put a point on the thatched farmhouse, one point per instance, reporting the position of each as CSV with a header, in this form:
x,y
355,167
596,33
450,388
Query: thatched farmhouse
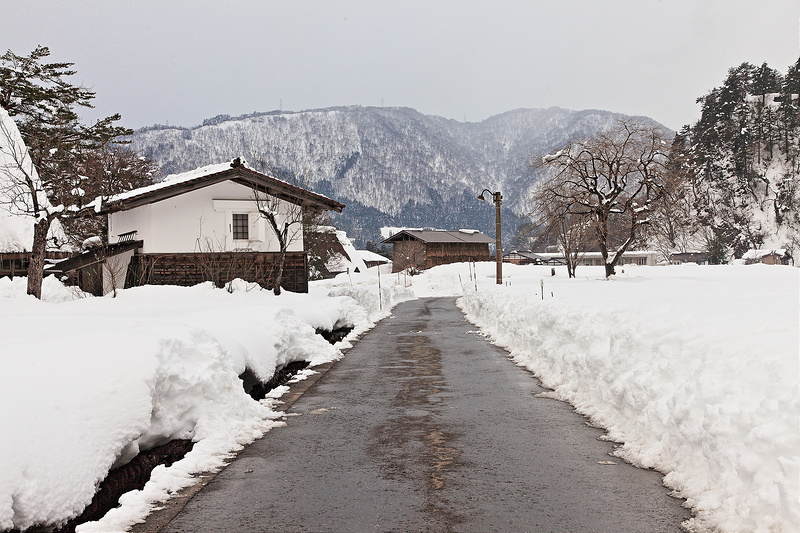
x,y
210,224
422,249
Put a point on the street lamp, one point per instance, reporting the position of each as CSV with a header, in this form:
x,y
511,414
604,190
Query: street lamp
x,y
498,246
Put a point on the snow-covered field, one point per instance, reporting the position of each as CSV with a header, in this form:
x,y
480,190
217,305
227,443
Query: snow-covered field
x,y
695,369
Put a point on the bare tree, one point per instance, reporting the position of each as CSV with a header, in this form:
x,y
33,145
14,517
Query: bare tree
x,y
286,221
102,173
555,221
23,194
613,178
409,255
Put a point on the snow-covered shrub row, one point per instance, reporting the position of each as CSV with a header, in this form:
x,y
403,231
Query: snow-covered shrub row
x,y
694,369
86,382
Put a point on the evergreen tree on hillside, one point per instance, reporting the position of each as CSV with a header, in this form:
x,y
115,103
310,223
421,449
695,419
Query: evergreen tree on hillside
x,y
789,112
740,159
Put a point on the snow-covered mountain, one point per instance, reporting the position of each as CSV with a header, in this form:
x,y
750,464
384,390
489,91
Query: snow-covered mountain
x,y
390,166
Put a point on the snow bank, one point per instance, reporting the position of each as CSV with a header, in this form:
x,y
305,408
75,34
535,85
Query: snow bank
x,y
85,383
694,369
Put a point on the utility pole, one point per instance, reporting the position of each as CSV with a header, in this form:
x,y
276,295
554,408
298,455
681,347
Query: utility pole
x,y
498,246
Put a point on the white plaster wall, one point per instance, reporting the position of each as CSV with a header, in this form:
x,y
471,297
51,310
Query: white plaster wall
x,y
115,270
200,221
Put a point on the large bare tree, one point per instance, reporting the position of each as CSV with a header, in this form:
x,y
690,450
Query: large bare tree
x,y
614,178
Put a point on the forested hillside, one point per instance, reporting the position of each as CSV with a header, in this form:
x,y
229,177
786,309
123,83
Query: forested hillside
x,y
390,166
741,162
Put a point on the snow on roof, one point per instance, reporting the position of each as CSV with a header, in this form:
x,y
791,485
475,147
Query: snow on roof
x,y
759,254
443,236
175,179
388,231
16,225
199,174
351,262
366,255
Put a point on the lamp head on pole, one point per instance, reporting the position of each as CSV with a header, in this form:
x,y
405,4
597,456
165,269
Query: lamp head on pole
x,y
498,253
480,196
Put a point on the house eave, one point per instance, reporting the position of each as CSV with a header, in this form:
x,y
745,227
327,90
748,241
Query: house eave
x,y
240,175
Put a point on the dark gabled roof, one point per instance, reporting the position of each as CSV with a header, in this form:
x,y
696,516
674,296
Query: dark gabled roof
x,y
210,175
460,236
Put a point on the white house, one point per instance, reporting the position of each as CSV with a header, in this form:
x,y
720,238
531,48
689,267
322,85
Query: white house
x,y
204,225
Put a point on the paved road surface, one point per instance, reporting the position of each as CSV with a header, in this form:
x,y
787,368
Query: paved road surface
x,y
425,426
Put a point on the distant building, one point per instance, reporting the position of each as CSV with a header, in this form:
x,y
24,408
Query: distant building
x,y
423,249
678,258
343,256
631,257
778,256
518,257
372,259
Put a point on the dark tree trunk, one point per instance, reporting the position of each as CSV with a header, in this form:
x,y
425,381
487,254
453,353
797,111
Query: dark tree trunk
x,y
276,290
36,265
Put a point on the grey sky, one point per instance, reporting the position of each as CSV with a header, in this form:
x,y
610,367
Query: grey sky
x,y
183,61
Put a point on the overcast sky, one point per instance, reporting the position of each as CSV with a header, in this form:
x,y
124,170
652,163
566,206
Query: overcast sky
x,y
179,62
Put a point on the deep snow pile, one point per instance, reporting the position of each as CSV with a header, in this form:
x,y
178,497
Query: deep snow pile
x,y
86,382
694,368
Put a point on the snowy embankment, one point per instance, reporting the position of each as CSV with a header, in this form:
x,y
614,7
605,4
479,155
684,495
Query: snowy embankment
x,y
87,382
694,368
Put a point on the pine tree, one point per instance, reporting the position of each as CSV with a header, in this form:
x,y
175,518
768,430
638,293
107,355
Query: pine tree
x,y
43,104
747,132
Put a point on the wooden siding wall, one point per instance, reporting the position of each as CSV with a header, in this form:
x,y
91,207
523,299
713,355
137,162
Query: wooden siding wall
x,y
191,269
408,254
442,253
416,254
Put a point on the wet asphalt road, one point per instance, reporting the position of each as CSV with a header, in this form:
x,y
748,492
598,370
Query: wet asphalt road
x,y
425,426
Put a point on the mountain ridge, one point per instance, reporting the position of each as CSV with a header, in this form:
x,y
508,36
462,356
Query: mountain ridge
x,y
389,165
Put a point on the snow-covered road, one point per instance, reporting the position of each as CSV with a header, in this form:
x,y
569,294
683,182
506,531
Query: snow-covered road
x,y
695,369
425,426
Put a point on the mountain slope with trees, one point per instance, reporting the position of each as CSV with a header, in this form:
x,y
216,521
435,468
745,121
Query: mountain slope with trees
x,y
741,163
390,166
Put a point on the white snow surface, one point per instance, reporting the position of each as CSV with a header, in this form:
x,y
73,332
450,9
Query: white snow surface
x,y
692,369
86,382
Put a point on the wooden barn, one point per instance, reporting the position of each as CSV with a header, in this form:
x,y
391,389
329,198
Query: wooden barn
x,y
423,249
202,225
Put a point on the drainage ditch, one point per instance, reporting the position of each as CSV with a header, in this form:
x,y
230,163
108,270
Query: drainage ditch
x,y
135,474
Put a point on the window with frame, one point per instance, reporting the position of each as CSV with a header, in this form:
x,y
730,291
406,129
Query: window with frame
x,y
240,227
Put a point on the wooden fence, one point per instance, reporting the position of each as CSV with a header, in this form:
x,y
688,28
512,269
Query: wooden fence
x,y
220,268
